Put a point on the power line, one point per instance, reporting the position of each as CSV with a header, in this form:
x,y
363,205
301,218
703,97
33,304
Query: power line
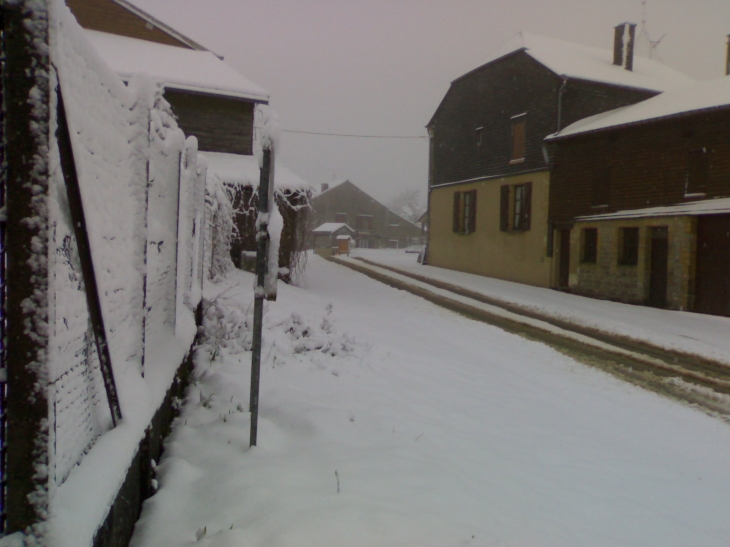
x,y
356,136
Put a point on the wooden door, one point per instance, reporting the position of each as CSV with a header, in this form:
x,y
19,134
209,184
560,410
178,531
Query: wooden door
x,y
658,267
564,259
712,278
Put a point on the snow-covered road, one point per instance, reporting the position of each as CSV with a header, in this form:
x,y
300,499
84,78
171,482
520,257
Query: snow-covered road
x,y
436,429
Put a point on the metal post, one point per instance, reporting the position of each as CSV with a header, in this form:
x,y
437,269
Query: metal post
x,y
68,168
262,244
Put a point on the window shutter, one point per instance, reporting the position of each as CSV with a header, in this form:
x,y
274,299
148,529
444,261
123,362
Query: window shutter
x,y
473,212
527,206
457,207
504,208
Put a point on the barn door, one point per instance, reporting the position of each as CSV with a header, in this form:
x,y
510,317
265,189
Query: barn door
x,y
658,267
712,285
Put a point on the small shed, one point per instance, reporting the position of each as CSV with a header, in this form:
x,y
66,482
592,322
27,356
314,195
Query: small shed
x,y
327,237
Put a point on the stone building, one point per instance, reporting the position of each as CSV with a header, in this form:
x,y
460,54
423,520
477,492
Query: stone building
x,y
640,198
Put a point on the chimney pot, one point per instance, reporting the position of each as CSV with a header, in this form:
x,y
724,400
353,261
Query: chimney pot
x,y
727,57
623,45
325,186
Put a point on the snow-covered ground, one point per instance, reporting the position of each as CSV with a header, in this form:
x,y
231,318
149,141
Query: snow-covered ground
x,y
386,420
694,333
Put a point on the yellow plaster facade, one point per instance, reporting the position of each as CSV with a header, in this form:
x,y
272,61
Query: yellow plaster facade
x,y
519,256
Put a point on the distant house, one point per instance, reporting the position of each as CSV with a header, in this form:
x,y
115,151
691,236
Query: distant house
x,y
375,225
327,238
489,168
642,198
211,101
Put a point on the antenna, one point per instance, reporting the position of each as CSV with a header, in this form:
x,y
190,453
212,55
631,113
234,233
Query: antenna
x,y
644,38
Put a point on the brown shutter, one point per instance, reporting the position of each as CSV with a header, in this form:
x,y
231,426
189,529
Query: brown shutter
x,y
472,212
527,206
457,208
504,208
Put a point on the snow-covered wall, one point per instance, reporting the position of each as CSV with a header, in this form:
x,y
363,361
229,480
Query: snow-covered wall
x,y
142,190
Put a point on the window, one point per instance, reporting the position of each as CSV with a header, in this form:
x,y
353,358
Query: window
x,y
589,239
523,207
698,171
518,138
364,222
629,251
465,212
601,188
479,135
518,216
341,218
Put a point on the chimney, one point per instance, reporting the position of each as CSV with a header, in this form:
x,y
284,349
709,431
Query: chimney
x,y
727,57
623,45
325,186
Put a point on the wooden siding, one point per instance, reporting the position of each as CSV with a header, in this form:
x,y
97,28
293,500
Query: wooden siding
x,y
489,98
108,16
221,124
648,165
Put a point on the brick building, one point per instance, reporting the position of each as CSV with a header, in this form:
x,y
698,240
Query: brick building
x,y
640,198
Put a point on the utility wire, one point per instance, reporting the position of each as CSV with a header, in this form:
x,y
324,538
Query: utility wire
x,y
355,136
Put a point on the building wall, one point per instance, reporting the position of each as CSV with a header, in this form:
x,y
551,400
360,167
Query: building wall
x,y
349,199
610,280
648,165
221,124
490,96
108,16
514,256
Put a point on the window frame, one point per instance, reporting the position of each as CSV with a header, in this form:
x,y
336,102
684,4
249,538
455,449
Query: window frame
x,y
629,256
464,212
585,256
515,207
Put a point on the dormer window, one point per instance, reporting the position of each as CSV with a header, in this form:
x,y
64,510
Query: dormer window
x,y
479,135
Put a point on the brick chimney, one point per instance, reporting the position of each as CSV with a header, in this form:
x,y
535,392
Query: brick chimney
x,y
325,186
623,45
727,57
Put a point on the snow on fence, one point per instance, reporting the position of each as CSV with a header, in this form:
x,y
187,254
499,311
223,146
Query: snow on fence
x,y
115,233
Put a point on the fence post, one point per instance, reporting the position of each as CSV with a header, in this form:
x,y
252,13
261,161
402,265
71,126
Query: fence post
x,y
26,73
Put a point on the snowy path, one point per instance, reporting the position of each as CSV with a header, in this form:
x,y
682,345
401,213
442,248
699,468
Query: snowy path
x,y
442,431
704,335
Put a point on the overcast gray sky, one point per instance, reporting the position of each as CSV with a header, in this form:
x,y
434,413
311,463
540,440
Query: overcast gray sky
x,y
382,66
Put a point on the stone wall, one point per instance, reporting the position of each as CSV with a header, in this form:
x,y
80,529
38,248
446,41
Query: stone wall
x,y
609,279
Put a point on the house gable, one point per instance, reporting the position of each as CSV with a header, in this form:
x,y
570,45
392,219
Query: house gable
x,y
120,17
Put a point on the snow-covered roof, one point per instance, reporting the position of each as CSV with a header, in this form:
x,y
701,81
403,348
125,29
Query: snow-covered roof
x,y
331,227
177,67
244,170
343,237
162,26
591,63
695,208
700,96
332,185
